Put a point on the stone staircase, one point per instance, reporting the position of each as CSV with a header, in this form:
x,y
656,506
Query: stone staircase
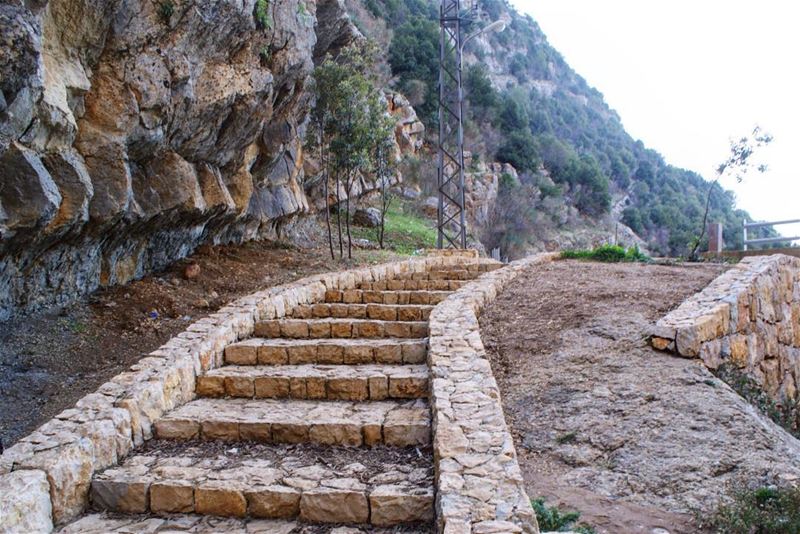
x,y
321,419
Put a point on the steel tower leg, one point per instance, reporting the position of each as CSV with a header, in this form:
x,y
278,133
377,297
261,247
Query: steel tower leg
x,y
451,216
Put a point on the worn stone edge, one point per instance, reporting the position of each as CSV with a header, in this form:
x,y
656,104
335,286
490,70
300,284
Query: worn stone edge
x,y
731,304
104,426
479,483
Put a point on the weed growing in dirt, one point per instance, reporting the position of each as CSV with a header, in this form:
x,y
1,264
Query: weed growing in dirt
x,y
165,11
551,519
756,509
569,437
607,253
786,414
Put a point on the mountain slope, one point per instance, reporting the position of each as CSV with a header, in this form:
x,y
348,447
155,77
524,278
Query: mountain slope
x,y
527,107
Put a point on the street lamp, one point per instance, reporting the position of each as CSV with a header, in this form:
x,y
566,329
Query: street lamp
x,y
496,26
451,214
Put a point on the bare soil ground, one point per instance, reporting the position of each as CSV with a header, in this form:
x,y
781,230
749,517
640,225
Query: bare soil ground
x,y
50,360
634,439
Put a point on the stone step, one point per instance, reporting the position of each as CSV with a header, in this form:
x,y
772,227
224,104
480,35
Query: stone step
x,y
335,485
381,312
340,328
203,524
474,267
331,382
106,523
361,296
413,285
395,423
261,351
450,274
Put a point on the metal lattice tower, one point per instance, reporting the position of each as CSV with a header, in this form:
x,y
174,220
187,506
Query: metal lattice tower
x,y
451,221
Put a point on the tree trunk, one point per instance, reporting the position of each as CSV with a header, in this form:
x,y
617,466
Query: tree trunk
x,y
326,193
339,215
693,253
348,186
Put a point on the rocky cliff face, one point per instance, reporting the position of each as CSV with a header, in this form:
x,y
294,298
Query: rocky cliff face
x,y
133,130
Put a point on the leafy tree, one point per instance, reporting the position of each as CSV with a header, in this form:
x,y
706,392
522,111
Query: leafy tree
x,y
589,186
414,59
738,164
513,112
350,126
519,149
479,91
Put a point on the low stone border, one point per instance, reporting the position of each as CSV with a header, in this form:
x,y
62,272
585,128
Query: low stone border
x,y
45,477
748,316
479,483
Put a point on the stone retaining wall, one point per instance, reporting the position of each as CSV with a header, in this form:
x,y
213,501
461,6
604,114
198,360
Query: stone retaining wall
x,y
45,477
748,317
479,483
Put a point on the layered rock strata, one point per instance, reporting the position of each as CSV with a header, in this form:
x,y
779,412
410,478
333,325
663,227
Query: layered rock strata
x,y
131,132
748,317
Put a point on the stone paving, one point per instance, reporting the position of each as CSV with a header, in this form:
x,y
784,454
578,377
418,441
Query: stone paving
x,y
332,382
197,524
286,488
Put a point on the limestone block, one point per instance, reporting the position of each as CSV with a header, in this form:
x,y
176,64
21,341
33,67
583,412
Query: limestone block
x,y
177,429
329,505
270,355
711,353
217,499
274,502
173,497
25,504
221,430
211,386
689,338
69,470
241,354
336,434
392,505
496,527
128,497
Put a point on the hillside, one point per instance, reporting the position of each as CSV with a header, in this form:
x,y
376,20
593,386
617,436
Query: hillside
x,y
526,106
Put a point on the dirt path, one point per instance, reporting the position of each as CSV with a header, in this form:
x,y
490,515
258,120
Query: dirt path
x,y
50,360
632,438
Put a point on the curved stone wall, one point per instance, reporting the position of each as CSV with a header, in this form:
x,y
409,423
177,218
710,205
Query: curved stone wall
x,y
748,317
45,477
479,483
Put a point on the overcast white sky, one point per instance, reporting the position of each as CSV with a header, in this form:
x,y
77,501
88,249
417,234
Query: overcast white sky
x,y
687,75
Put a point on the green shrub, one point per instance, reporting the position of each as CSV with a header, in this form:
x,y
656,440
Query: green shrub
x,y
551,519
608,254
263,20
165,10
757,509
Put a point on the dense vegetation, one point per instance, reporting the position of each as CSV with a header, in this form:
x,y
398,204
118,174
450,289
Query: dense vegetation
x,y
756,509
607,254
554,128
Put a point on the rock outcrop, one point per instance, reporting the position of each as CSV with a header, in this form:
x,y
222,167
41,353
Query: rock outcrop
x,y
131,132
